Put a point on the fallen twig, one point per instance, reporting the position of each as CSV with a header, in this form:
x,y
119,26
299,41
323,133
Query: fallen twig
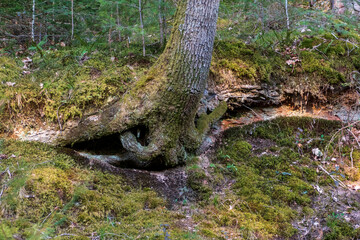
x,y
252,111
57,114
2,191
332,177
65,234
335,134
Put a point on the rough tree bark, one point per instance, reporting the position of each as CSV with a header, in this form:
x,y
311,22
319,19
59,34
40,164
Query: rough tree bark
x,y
156,117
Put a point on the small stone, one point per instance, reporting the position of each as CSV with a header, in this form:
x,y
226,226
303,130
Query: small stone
x,y
317,152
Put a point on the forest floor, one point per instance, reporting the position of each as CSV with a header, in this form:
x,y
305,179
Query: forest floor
x,y
280,165
263,180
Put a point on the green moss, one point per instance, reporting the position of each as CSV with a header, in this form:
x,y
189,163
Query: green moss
x,y
49,184
206,120
268,187
49,194
8,230
313,63
235,49
199,182
310,42
239,68
58,83
10,71
340,229
356,61
239,150
307,211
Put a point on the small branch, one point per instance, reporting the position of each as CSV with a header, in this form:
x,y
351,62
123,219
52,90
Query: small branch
x,y
117,235
253,111
49,215
332,177
354,137
335,134
2,191
65,234
8,171
57,114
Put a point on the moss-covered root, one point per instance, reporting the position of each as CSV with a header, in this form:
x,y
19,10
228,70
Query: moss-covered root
x,y
206,120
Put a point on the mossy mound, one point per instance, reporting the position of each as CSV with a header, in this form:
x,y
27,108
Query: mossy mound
x,y
62,84
49,194
314,63
243,62
259,183
269,173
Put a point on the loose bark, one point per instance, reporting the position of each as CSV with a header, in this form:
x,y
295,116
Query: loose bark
x,y
165,101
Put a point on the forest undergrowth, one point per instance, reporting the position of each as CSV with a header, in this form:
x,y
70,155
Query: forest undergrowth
x,y
262,180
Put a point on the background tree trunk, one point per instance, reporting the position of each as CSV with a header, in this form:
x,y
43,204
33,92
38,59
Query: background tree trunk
x,y
332,4
156,117
142,28
33,22
287,15
118,22
162,23
72,19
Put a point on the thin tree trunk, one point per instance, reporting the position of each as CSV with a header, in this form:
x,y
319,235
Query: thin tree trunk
x,y
110,30
311,3
142,28
161,24
287,15
33,23
53,19
332,4
72,19
118,21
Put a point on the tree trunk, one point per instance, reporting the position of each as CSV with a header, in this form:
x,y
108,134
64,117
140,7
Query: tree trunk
x,y
53,20
72,19
118,22
33,22
156,117
311,3
332,4
142,28
287,15
161,23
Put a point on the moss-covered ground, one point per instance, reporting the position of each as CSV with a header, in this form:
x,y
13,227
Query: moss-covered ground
x,y
312,63
62,83
263,180
47,194
259,183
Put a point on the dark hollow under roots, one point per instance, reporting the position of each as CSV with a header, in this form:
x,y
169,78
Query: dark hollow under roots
x,y
110,150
